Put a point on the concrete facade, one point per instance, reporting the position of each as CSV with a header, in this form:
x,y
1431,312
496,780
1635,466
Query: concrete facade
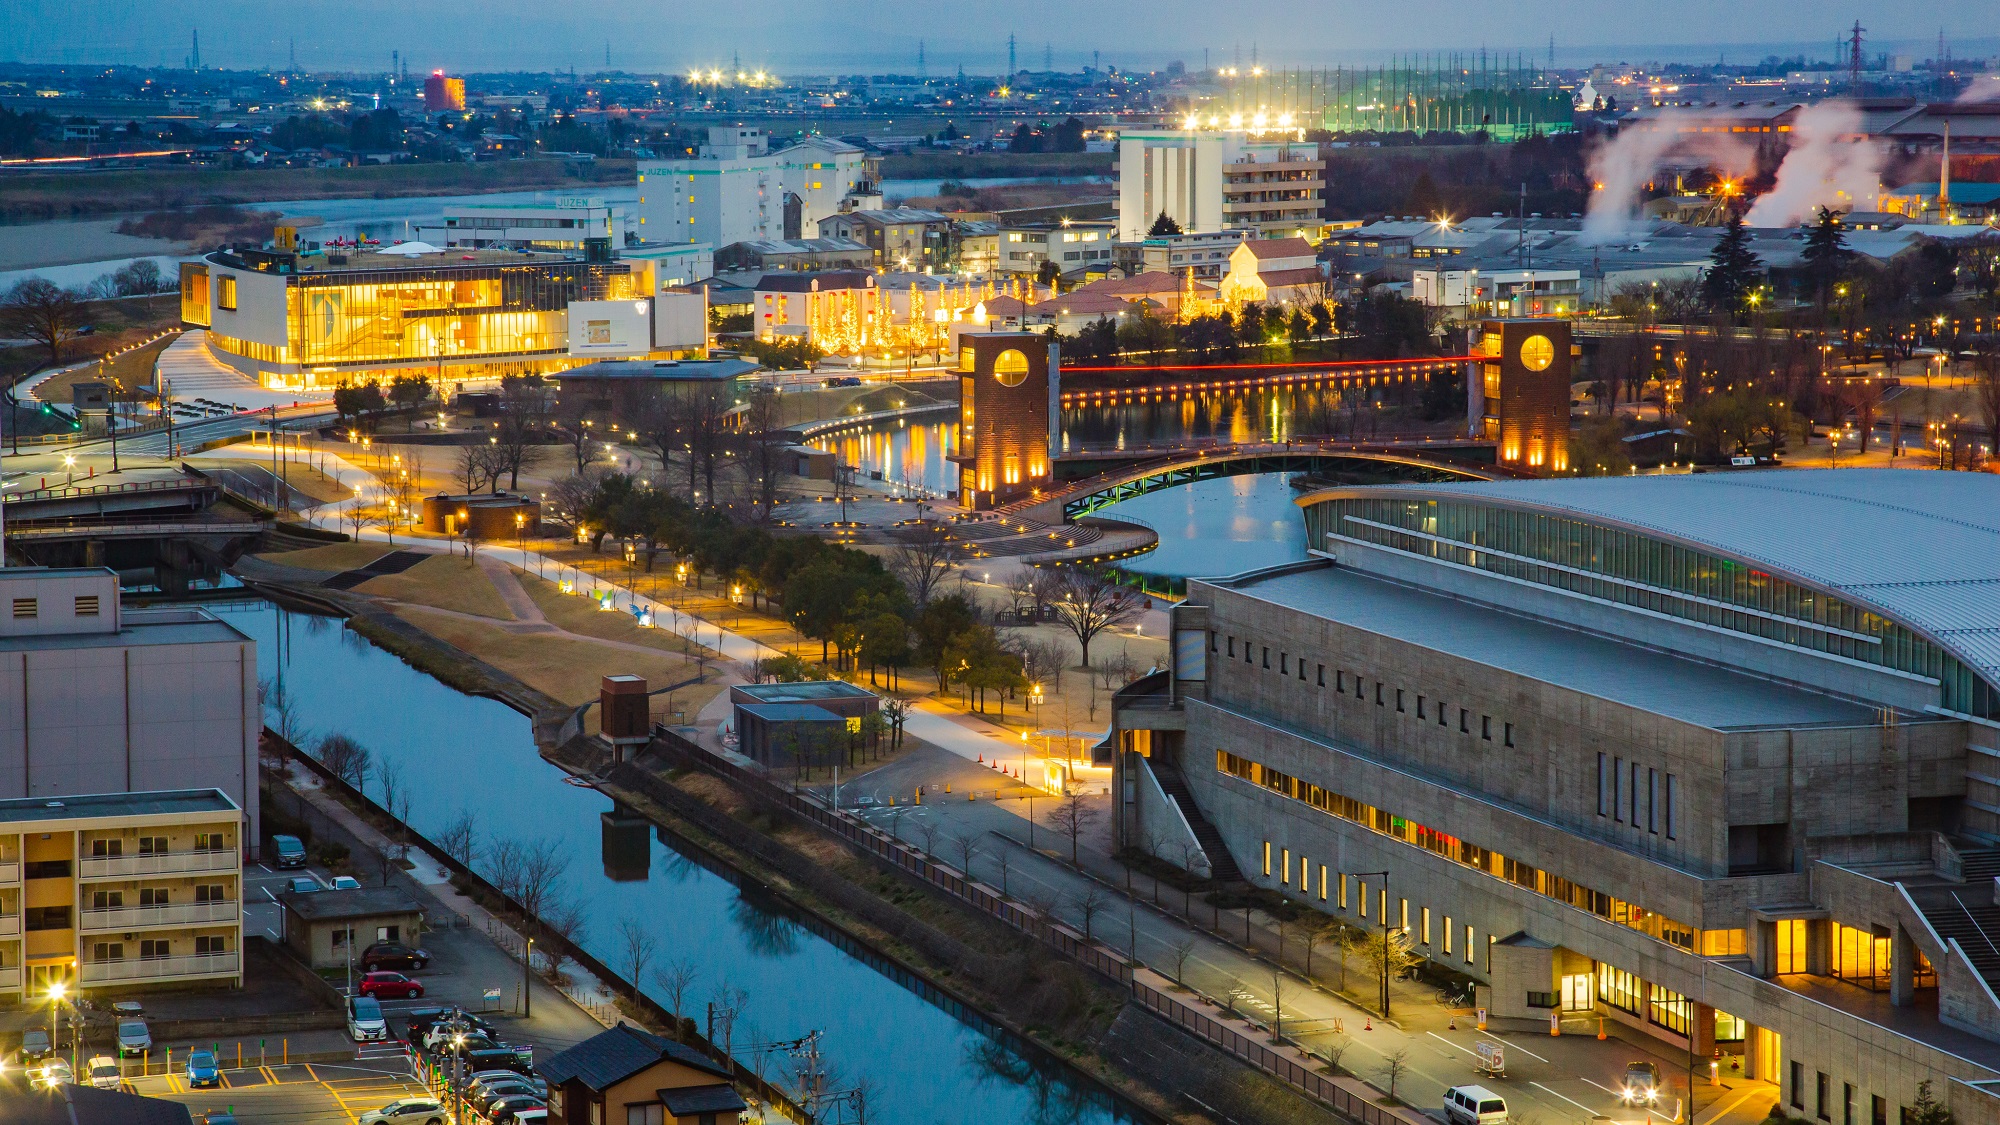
x,y
95,698
1763,852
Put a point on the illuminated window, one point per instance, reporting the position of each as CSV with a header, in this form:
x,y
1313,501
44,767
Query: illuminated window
x,y
1792,945
225,292
1010,368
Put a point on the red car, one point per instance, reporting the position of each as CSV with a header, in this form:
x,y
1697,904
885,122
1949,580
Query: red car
x,y
391,986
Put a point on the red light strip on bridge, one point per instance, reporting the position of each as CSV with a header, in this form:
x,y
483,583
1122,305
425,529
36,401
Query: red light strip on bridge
x,y
1295,374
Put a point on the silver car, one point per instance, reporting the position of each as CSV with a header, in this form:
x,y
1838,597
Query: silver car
x,y
134,1038
407,1111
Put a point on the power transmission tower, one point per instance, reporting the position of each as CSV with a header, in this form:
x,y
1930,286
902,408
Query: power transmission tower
x,y
1010,57
1048,57
1854,58
920,59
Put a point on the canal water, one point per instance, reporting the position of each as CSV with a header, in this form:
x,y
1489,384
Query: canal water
x,y
1209,528
923,1063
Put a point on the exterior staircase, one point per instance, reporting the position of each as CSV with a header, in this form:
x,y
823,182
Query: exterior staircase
x,y
1220,863
1970,916
1979,866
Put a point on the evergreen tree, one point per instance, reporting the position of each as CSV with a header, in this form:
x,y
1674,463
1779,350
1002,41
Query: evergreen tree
x,y
1826,255
1164,226
1733,270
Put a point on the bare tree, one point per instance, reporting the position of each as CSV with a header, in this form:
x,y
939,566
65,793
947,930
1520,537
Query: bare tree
x,y
1334,1050
573,427
1089,905
1090,603
42,311
1394,1066
1072,818
1190,850
675,979
460,837
395,802
569,498
1003,859
1280,984
563,924
921,559
968,847
763,454
529,871
471,470
726,1005
345,758
1178,954
636,948
525,405
282,713
929,829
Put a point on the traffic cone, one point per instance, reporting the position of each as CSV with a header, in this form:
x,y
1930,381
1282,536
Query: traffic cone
x,y
1452,1023
1600,1028
1367,1024
982,757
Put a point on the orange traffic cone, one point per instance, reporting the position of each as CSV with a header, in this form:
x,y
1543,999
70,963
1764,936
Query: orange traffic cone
x,y
1367,1024
982,757
1600,1027
1452,1023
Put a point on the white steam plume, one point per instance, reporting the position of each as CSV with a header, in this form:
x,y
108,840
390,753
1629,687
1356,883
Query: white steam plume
x,y
1826,167
1622,167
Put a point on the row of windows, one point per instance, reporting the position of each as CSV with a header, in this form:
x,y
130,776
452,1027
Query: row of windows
x,y
1472,855
1623,793
1878,1106
1402,698
156,896
157,949
1339,882
1647,573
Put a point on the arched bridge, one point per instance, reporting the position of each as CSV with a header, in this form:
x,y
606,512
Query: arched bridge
x,y
1404,462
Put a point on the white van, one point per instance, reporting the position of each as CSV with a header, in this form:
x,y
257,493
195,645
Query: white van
x,y
365,1021
1474,1105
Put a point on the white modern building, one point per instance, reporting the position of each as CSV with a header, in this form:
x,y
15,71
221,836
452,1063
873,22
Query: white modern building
x,y
97,698
1211,178
560,225
737,189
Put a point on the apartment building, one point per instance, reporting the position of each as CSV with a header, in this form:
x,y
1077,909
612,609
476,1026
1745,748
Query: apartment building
x,y
95,697
1217,178
738,189
1708,758
113,891
1072,244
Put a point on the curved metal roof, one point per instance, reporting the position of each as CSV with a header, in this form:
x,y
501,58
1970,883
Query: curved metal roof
x,y
1920,547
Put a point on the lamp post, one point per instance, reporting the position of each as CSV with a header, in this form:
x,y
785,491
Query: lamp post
x,y
527,989
57,990
1383,905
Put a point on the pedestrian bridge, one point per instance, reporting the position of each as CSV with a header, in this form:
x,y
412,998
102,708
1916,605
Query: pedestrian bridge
x,y
1409,462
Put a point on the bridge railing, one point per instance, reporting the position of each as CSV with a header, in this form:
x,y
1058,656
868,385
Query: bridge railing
x,y
72,492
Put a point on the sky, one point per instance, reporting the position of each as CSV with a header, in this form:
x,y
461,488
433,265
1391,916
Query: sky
x,y
823,36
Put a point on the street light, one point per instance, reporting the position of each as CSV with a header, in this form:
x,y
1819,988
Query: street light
x,y
1383,905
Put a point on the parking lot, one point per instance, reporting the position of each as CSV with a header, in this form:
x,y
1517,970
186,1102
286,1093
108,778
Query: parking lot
x,y
299,1094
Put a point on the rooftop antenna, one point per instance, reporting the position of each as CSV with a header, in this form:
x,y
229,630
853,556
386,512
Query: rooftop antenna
x,y
1854,58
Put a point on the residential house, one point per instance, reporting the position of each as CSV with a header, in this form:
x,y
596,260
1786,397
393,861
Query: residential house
x,y
627,1076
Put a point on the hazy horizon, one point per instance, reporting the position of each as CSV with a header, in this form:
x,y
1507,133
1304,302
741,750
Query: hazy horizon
x,y
814,38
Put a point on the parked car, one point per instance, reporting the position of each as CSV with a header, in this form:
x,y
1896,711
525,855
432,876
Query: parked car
x,y
134,1038
507,1105
441,1033
288,851
487,1078
498,1092
499,1058
390,986
105,1073
346,883
394,955
202,1070
407,1111
218,1117
1474,1105
502,1082
56,1072
365,1022
531,1117
35,1045
305,885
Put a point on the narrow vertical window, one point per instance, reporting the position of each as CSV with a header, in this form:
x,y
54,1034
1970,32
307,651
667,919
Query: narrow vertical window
x,y
1510,734
1486,727
1285,872
1600,783
1672,785
1232,648
1405,921
1617,797
1211,640
1322,882
1652,801
1362,886
1284,664
1342,895
1399,701
1420,707
1424,916
1267,859
1447,935
1632,796
1468,945
1322,675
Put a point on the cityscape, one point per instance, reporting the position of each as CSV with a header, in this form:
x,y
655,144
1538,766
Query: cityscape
x,y
1435,566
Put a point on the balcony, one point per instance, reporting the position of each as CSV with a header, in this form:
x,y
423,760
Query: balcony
x,y
173,914
158,968
10,925
10,871
10,980
165,863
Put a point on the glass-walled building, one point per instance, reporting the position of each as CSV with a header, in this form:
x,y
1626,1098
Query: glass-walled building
x,y
311,322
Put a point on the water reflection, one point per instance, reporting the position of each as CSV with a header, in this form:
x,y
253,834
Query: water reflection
x,y
1055,1102
914,455
467,753
1261,415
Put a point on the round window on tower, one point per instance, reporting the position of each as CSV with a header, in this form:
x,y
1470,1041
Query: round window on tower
x,y
1537,353
1011,366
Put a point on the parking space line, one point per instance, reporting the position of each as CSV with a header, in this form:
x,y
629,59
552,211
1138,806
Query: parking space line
x,y
1570,1100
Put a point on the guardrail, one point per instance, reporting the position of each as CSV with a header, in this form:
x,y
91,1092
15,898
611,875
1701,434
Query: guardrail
x,y
71,492
988,900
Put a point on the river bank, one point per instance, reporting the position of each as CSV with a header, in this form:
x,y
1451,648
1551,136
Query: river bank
x,y
76,195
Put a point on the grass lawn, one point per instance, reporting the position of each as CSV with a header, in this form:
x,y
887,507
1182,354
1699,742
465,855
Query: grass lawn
x,y
332,558
581,615
446,582
566,668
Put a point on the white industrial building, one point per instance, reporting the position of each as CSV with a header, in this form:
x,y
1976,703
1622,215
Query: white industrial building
x,y
737,189
1211,179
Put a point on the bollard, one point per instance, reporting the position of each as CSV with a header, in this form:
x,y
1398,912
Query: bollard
x,y
972,795
239,1054
1555,1024
920,796
947,786
287,1045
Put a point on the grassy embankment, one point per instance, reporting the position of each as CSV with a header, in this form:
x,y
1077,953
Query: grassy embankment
x,y
56,195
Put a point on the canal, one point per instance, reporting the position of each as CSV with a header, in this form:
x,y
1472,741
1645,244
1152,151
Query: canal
x,y
923,1063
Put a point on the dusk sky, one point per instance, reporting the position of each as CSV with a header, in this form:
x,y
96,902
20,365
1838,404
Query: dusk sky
x,y
820,35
